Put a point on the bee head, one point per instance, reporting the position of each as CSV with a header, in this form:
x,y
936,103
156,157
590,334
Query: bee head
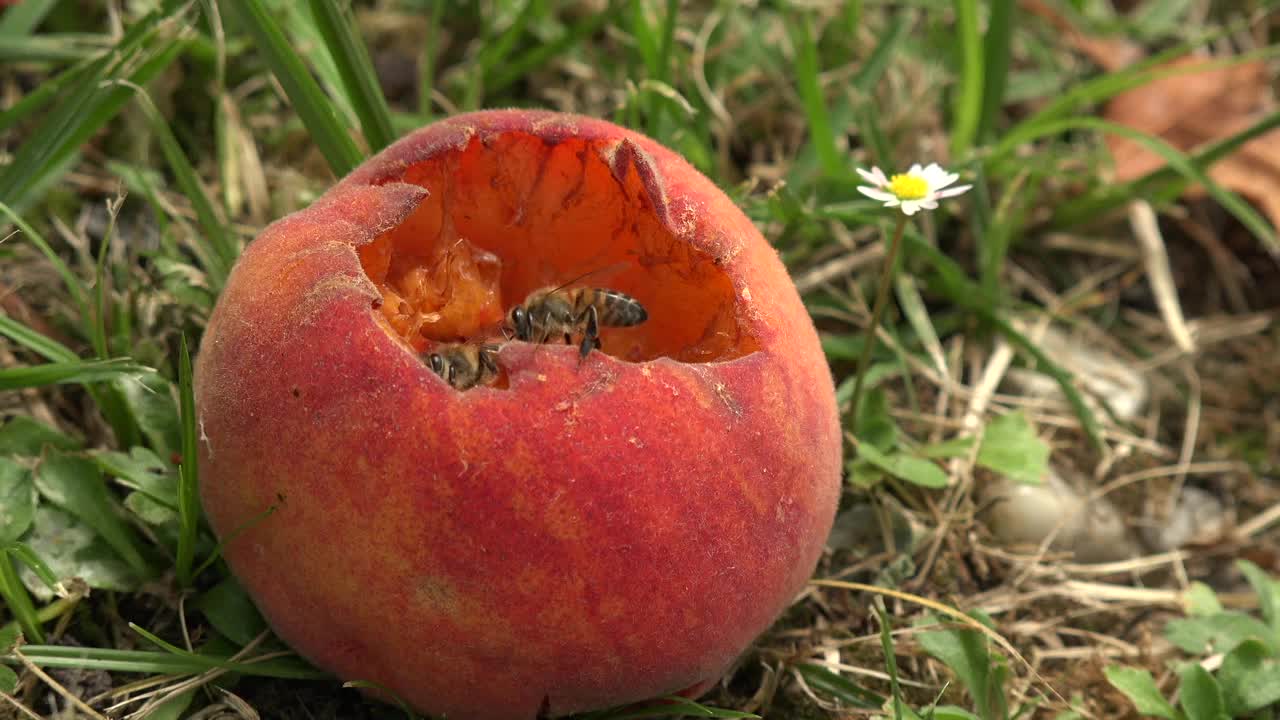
x,y
437,363
518,319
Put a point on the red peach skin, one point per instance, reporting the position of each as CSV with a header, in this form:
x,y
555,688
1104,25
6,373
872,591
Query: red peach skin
x,y
588,536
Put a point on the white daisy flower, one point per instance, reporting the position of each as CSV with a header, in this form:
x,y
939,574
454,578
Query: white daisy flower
x,y
915,190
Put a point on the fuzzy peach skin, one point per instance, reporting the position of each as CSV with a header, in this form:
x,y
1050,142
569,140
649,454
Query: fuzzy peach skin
x,y
584,536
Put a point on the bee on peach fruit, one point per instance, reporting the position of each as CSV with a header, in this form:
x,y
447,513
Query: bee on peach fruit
x,y
554,311
465,365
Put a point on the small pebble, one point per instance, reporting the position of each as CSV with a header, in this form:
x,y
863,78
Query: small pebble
x,y
1199,518
1025,515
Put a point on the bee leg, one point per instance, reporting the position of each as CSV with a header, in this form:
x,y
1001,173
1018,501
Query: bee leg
x,y
590,336
488,367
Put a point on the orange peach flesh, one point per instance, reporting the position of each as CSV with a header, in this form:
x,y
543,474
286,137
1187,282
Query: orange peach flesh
x,y
509,217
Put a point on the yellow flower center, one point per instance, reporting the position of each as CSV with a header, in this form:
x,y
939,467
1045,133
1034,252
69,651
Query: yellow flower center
x,y
908,187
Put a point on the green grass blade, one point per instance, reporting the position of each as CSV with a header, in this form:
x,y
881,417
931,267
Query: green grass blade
x,y
917,314
1183,165
45,155
666,706
646,38
18,600
43,94
970,296
497,50
188,472
1046,365
1215,151
108,398
868,120
1102,88
992,239
41,344
222,254
161,643
159,662
302,33
427,62
310,102
60,373
54,48
22,18
890,659
60,124
825,681
874,67
23,553
227,131
494,54
659,65
968,111
209,663
809,86
349,53
507,74
997,50
1167,182
851,18
231,536
69,279
663,67
101,298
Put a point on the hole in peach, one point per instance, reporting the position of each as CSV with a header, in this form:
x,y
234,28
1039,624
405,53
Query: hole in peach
x,y
513,214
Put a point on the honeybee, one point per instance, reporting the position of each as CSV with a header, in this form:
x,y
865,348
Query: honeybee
x,y
552,311
465,365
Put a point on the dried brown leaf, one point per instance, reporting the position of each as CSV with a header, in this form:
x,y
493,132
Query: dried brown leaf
x,y
1206,103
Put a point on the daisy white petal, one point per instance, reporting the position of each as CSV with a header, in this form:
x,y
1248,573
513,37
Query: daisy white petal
x,y
932,171
938,177
952,192
876,193
868,176
876,176
911,207
915,170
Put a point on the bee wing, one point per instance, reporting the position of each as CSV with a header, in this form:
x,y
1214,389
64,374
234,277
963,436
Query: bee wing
x,y
616,267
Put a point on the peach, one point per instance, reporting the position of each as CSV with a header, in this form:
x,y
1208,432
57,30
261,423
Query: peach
x,y
580,533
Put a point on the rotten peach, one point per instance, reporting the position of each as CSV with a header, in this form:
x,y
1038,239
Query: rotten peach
x,y
578,533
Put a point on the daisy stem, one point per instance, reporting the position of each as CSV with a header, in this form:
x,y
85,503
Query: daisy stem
x,y
877,311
